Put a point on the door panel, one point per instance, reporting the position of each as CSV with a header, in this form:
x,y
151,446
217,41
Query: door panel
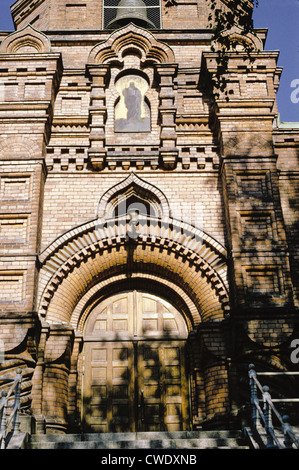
x,y
150,376
161,377
135,384
109,387
175,387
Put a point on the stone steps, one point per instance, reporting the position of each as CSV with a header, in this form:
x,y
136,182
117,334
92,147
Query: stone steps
x,y
150,440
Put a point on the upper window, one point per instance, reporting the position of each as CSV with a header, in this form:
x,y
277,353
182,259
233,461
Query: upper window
x,y
143,13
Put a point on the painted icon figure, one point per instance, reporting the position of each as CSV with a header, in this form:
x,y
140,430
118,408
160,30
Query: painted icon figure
x,y
133,102
132,113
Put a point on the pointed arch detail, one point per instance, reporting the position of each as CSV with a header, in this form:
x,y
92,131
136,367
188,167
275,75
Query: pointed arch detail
x,y
236,38
26,40
131,38
133,185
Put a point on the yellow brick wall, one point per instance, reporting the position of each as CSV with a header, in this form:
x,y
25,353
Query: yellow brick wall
x,y
72,199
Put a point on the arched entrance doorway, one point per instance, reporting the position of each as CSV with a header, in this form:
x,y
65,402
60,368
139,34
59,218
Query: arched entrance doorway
x,y
135,366
82,268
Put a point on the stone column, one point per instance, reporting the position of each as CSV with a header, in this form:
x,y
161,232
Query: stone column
x,y
213,369
260,283
57,361
74,382
29,90
37,381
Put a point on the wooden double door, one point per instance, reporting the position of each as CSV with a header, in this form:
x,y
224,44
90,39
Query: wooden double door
x,y
134,366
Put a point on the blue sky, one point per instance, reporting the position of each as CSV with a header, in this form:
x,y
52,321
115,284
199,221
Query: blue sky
x,y
281,17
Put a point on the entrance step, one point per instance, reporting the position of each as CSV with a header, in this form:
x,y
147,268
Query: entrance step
x,y
140,440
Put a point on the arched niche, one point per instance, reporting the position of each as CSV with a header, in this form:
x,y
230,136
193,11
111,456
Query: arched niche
x,y
26,41
118,199
133,40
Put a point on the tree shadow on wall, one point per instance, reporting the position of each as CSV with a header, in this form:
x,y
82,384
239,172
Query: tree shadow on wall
x,y
267,205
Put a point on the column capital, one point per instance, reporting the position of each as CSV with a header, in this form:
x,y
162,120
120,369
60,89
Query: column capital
x,y
99,73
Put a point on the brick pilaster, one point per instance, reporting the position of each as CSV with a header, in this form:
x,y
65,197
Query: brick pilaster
x,y
98,114
167,110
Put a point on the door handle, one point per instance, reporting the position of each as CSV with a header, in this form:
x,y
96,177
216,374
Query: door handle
x,y
141,406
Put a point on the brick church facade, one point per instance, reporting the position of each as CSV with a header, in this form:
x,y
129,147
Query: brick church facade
x,y
148,225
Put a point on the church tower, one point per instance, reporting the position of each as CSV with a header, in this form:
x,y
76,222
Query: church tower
x,y
148,230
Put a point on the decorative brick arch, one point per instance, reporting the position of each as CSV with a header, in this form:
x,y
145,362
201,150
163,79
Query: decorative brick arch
x,y
26,40
18,147
137,186
131,38
236,37
174,252
152,284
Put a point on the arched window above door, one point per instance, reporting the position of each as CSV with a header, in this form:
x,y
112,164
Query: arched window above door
x,y
133,193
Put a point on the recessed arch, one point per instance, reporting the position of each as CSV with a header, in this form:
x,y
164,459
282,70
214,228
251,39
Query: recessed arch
x,y
120,41
95,310
18,147
27,40
131,71
238,40
173,251
150,283
133,185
